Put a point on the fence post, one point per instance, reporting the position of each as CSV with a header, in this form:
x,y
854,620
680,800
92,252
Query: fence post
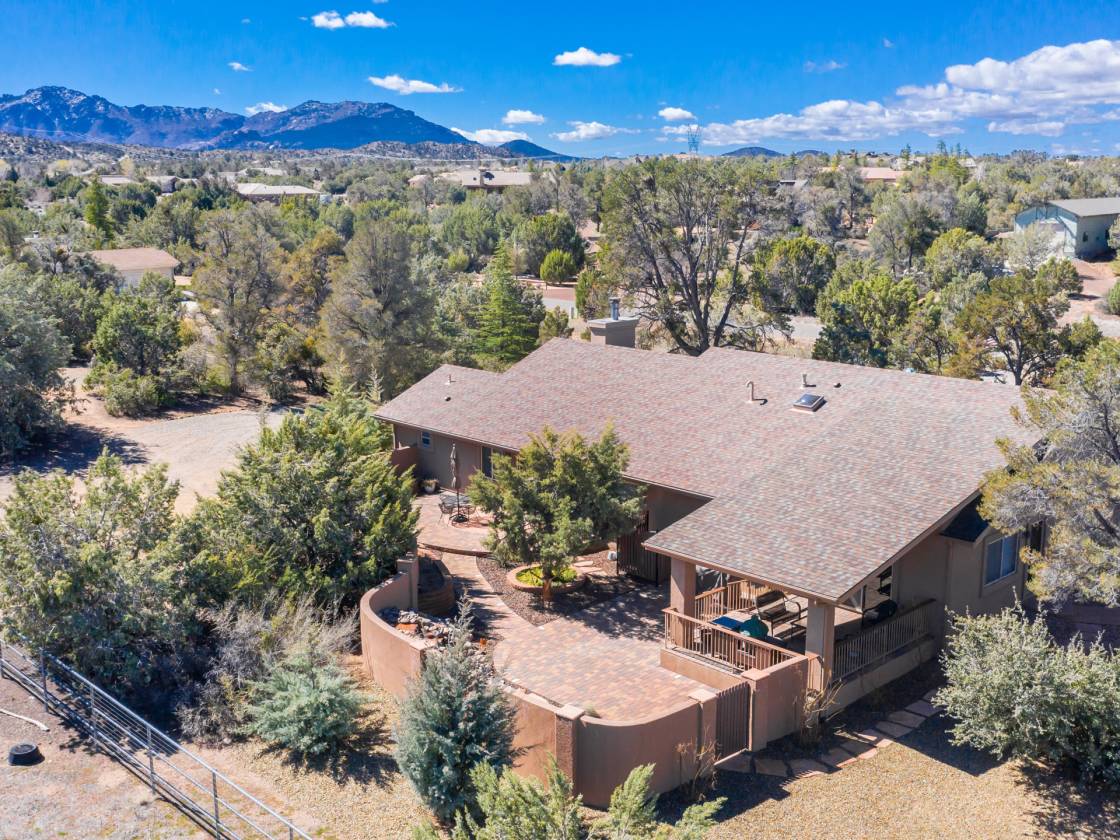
x,y
151,761
217,816
93,712
43,680
1,659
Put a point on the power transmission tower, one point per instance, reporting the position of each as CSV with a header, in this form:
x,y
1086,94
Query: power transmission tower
x,y
693,136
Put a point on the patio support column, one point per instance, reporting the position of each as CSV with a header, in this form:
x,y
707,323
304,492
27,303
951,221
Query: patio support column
x,y
682,587
820,632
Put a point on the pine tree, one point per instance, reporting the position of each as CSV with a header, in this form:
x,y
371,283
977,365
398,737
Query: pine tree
x,y
455,717
508,323
97,208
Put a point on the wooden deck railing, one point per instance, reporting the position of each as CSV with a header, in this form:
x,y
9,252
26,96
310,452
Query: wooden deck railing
x,y
735,650
737,595
878,643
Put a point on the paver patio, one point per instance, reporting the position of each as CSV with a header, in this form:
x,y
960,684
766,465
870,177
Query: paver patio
x,y
437,532
605,658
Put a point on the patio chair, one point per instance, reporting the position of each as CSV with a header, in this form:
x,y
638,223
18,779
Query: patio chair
x,y
781,610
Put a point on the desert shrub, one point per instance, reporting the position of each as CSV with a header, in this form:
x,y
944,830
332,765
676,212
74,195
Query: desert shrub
x,y
1014,691
84,574
1112,302
126,393
304,705
249,643
313,507
454,717
557,267
510,807
458,261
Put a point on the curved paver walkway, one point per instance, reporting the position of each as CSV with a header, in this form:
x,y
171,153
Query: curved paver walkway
x,y
493,615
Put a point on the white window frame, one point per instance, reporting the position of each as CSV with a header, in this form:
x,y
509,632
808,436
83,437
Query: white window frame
x,y
1017,544
425,440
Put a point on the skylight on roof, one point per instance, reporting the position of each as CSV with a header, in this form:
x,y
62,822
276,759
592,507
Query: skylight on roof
x,y
809,402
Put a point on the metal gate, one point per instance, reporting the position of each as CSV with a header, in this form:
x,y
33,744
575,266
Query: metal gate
x,y
637,561
733,718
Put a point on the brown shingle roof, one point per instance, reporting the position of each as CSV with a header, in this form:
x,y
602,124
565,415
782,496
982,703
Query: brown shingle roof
x,y
814,501
135,259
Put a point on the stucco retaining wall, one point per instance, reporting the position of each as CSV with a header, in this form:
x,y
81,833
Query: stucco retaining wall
x,y
392,658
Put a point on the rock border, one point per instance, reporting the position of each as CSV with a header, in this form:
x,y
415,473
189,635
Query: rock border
x,y
557,588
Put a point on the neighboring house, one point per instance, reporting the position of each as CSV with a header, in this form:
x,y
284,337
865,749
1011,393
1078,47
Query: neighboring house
x,y
838,502
486,179
1080,225
276,192
134,263
880,174
116,180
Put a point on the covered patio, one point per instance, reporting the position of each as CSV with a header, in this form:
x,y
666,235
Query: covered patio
x,y
744,624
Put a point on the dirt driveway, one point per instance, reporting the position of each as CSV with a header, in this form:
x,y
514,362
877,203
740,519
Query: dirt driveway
x,y
196,445
1096,280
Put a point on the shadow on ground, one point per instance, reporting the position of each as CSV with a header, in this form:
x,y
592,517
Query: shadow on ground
x,y
74,449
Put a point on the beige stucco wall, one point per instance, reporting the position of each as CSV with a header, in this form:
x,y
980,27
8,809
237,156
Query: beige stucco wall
x,y
966,590
392,658
667,506
776,700
435,461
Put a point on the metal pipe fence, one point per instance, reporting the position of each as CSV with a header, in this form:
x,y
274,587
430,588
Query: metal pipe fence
x,y
212,799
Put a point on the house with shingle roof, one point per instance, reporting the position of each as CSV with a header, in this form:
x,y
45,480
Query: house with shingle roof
x,y
1078,226
835,504
133,263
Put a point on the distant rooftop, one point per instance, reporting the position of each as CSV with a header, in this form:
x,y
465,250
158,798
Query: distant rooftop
x,y
135,259
254,189
1090,206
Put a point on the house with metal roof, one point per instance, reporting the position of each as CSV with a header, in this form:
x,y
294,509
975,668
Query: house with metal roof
x,y
833,506
1079,225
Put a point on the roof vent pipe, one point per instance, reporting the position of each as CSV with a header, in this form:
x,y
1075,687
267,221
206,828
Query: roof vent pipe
x,y
805,380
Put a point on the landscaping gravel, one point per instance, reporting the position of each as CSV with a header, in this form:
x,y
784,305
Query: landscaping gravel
x,y
603,583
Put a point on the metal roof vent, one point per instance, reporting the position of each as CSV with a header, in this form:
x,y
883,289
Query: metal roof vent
x,y
809,402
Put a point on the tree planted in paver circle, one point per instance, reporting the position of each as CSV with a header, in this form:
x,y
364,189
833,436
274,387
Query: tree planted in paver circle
x,y
455,717
558,495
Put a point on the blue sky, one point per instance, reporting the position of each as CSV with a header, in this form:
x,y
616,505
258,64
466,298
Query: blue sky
x,y
597,78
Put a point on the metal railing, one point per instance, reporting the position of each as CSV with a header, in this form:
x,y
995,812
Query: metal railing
x,y
206,795
879,643
726,647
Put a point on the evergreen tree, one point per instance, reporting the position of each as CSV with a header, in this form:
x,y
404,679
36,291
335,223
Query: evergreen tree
x,y
96,210
455,717
508,322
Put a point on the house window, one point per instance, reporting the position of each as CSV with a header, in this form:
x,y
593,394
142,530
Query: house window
x,y
487,461
1001,558
426,440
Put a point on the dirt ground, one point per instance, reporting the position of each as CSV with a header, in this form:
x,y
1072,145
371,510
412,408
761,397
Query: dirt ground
x,y
74,792
197,444
1096,280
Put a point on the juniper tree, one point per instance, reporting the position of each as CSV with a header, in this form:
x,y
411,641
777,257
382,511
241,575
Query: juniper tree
x,y
455,717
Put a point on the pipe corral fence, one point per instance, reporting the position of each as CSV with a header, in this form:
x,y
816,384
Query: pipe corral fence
x,y
202,792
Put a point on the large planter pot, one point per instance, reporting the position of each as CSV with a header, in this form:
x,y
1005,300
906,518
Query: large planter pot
x,y
557,587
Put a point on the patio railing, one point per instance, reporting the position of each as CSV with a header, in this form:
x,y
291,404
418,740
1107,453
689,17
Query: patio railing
x,y
879,643
737,595
726,647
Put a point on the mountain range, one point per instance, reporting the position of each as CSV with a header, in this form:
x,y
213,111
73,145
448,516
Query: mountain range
x,y
58,113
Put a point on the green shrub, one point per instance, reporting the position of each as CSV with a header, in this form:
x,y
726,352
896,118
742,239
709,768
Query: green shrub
x,y
305,706
458,261
249,642
557,267
455,716
1112,302
1014,691
126,393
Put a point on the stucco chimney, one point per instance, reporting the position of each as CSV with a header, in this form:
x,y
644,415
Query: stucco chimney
x,y
614,330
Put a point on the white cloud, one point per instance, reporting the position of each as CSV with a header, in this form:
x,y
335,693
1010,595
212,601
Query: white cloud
x,y
492,136
1042,93
888,43
261,107
583,57
217,92
362,20
829,66
238,67
246,20
406,87
328,20
590,131
674,114
515,116
1051,128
